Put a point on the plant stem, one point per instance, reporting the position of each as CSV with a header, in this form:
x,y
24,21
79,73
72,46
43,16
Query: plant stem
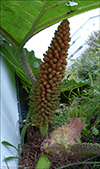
x,y
26,67
44,131
8,37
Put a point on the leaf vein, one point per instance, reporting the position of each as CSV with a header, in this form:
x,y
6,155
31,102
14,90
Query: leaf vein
x,y
24,17
9,23
26,11
3,17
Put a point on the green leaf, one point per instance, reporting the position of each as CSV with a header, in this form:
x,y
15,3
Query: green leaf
x,y
20,20
72,84
13,58
77,139
11,55
95,131
86,132
10,158
90,76
24,130
5,143
44,162
79,163
33,61
6,163
23,135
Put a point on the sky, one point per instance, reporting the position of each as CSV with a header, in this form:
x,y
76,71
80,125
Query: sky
x,y
39,43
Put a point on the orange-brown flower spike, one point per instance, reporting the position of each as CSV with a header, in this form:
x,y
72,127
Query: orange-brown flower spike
x,y
45,96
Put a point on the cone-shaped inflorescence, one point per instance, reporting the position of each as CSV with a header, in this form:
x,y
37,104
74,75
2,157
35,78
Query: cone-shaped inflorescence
x,y
84,149
45,95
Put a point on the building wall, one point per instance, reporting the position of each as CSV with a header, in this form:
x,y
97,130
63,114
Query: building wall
x,y
79,38
9,125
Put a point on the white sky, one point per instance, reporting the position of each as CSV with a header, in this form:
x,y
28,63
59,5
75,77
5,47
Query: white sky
x,y
39,43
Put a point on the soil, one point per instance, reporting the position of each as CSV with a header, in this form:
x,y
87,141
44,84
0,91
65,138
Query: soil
x,y
32,152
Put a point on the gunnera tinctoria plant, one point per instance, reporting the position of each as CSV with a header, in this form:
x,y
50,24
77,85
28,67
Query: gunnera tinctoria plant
x,y
67,138
44,98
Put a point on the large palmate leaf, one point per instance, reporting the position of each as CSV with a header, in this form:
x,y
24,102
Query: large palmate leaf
x,y
12,56
21,19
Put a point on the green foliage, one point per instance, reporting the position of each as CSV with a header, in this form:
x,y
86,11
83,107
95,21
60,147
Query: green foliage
x,y
87,99
12,57
76,112
44,162
23,19
91,106
6,159
27,123
6,164
80,163
71,89
60,118
95,131
89,65
20,20
68,113
10,158
5,143
72,84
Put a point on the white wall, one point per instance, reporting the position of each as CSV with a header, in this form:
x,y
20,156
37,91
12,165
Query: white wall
x,y
78,39
9,130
